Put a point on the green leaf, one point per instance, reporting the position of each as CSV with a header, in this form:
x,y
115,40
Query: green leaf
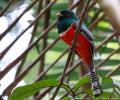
x,y
107,88
103,96
107,83
83,81
25,91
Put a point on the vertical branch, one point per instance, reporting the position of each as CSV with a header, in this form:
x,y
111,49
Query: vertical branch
x,y
71,50
37,22
46,24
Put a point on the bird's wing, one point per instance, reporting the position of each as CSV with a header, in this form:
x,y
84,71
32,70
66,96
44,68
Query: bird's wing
x,y
87,34
84,30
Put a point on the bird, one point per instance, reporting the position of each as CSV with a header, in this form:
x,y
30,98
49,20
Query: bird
x,y
67,22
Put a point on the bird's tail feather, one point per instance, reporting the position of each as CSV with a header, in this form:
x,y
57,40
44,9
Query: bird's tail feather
x,y
95,82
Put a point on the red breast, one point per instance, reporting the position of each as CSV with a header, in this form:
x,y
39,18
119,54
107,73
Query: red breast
x,y
68,35
82,44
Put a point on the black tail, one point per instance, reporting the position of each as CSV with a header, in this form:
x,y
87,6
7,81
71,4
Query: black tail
x,y
95,82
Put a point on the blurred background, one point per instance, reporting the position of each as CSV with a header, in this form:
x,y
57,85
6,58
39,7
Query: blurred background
x,y
51,52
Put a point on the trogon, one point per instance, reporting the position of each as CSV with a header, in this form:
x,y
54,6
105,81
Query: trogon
x,y
67,23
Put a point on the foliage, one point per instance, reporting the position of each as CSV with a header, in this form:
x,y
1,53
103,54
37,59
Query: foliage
x,y
109,91
29,90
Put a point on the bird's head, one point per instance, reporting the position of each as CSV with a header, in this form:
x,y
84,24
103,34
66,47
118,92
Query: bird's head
x,y
65,19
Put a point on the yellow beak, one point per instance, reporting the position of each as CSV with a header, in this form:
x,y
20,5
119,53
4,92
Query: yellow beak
x,y
59,14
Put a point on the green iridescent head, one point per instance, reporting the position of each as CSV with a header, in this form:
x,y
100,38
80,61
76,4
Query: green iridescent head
x,y
65,19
